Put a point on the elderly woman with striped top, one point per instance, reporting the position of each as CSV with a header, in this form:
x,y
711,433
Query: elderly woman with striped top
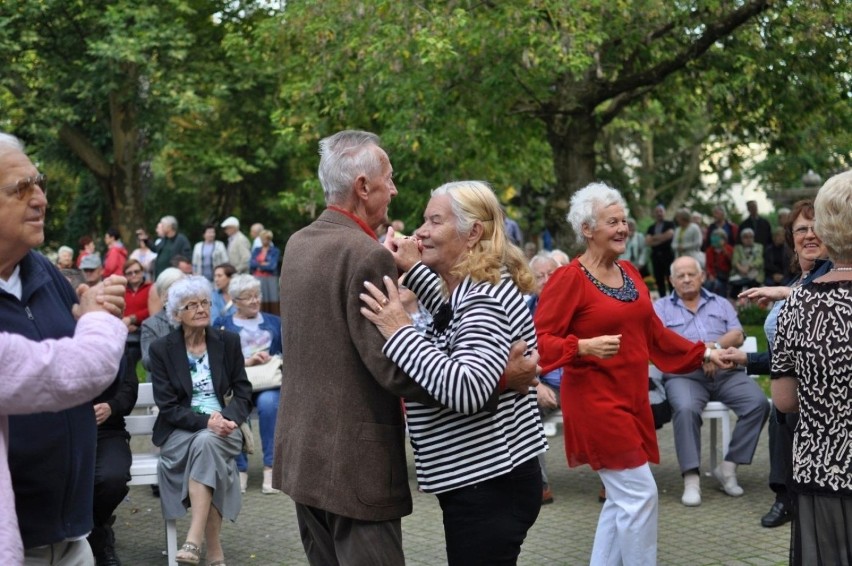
x,y
478,451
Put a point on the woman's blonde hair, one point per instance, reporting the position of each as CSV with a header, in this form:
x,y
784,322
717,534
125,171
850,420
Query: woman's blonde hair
x,y
473,201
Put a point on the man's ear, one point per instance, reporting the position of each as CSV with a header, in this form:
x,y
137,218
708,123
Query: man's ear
x,y
361,188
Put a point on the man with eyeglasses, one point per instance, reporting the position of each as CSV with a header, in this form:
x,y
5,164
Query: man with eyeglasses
x,y
52,454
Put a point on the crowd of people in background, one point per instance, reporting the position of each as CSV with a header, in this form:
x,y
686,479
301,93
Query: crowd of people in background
x,y
478,332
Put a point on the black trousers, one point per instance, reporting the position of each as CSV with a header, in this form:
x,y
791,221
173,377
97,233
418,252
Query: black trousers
x,y
112,472
333,540
782,428
486,523
661,263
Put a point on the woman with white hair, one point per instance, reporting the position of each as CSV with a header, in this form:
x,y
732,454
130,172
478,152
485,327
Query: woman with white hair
x,y
812,375
260,338
596,321
482,465
193,369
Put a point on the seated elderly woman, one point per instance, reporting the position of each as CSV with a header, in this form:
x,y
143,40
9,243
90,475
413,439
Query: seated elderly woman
x,y
260,337
492,495
595,320
193,370
746,264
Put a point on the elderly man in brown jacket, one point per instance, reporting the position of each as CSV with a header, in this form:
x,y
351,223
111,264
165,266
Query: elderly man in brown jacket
x,y
340,435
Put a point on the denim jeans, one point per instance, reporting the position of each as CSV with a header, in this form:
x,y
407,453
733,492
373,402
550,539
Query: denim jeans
x,y
267,412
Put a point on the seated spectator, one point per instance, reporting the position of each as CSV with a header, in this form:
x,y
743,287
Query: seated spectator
x,y
699,315
542,267
92,269
87,246
747,264
144,255
135,313
687,237
777,259
223,304
158,324
260,338
65,258
183,263
192,369
718,258
112,462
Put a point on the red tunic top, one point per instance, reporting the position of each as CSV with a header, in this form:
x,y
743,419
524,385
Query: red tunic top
x,y
606,413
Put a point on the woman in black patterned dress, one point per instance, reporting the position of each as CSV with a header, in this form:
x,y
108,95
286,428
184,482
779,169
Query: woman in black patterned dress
x,y
812,374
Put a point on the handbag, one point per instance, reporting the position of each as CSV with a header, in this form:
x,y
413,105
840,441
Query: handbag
x,y
245,428
265,376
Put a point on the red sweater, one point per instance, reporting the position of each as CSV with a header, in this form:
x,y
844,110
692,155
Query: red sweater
x,y
137,302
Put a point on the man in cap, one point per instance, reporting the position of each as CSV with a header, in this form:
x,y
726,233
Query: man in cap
x,y
239,246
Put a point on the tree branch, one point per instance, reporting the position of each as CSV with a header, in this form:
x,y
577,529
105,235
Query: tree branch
x,y
714,31
80,145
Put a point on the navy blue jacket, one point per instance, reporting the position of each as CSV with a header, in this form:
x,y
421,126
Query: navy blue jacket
x,y
51,455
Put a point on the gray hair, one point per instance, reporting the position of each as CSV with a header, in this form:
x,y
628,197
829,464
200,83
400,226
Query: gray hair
x,y
165,280
687,257
746,232
190,287
65,249
560,257
241,283
344,156
539,258
833,216
588,201
10,144
171,221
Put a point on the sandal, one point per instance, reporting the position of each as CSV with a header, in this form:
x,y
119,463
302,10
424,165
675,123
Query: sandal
x,y
189,553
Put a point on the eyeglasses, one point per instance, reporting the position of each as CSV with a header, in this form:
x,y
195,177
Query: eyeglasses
x,y
803,231
133,272
252,299
24,187
193,306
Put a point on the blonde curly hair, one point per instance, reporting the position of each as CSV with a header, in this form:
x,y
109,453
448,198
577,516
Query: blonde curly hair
x,y
474,201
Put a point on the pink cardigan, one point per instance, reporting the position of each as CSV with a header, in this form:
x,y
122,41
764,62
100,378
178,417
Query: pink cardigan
x,y
50,376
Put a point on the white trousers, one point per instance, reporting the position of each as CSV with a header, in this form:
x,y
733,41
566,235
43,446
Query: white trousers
x,y
627,527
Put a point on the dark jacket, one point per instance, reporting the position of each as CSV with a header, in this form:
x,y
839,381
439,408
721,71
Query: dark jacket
x,y
269,265
121,397
51,455
172,382
167,248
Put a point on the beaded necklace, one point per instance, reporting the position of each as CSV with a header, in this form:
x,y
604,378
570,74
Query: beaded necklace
x,y
627,293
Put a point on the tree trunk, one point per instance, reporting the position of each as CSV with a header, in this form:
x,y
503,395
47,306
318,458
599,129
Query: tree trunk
x,y
572,139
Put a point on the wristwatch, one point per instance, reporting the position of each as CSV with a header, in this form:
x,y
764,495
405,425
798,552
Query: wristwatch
x,y
717,345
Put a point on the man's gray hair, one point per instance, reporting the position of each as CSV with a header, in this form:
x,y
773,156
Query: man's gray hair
x,y
190,287
168,277
344,156
688,257
171,221
586,203
10,144
241,283
541,257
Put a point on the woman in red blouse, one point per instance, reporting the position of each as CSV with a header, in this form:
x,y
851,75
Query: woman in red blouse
x,y
596,321
135,312
718,263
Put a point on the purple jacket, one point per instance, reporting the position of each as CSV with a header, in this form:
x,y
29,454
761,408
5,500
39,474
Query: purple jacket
x,y
51,375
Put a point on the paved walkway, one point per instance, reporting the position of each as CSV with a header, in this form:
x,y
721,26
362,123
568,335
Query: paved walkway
x,y
723,530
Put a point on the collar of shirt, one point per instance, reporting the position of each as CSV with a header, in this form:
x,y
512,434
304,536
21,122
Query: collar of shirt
x,y
367,230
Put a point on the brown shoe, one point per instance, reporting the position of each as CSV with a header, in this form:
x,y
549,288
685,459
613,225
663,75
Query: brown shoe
x,y
602,495
546,496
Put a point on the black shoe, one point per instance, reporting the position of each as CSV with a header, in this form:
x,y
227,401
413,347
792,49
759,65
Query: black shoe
x,y
777,516
107,557
155,490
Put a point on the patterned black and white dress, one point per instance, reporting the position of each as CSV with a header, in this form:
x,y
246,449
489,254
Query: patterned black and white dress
x,y
813,345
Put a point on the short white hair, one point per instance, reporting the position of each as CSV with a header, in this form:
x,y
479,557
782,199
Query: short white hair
x,y
190,287
833,216
241,283
343,157
586,203
10,144
168,277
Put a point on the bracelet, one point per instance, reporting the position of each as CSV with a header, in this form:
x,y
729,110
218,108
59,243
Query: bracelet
x,y
707,354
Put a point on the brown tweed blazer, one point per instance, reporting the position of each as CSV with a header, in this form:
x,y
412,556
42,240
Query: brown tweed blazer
x,y
340,436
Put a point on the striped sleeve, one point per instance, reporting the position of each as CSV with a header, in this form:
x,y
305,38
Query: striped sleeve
x,y
464,379
426,284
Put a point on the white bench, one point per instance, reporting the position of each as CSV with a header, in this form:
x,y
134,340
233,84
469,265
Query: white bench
x,y
713,411
143,470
